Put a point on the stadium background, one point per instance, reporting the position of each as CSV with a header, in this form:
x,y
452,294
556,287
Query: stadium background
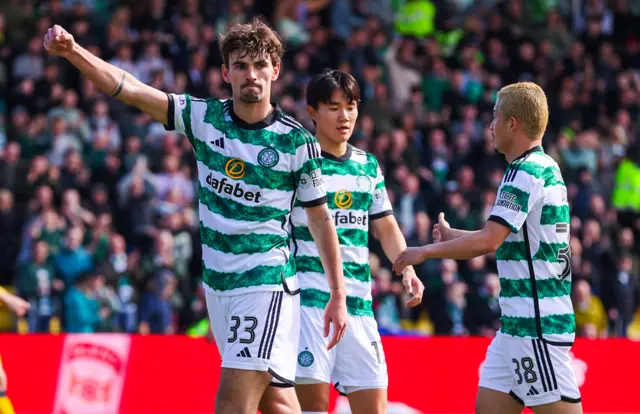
x,y
89,186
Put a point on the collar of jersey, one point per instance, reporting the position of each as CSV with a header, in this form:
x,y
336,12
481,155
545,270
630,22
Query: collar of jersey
x,y
344,157
270,120
529,151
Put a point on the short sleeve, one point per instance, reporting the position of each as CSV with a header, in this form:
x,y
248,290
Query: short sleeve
x,y
185,113
517,195
307,171
380,203
177,106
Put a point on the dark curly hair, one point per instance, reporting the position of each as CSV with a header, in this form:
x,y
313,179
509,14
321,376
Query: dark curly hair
x,y
253,39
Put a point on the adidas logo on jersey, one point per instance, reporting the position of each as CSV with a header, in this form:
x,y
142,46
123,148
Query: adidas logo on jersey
x,y
223,186
218,142
532,391
351,218
244,353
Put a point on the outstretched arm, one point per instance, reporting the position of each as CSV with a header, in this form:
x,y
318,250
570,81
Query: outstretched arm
x,y
393,243
475,244
108,78
442,232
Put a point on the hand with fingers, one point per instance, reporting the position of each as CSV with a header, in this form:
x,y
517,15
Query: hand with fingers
x,y
335,313
18,305
58,42
414,287
441,229
409,257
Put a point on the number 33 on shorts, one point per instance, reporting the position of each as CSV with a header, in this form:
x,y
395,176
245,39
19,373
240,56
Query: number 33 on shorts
x,y
257,331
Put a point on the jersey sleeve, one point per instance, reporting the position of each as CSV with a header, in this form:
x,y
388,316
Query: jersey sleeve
x,y
185,113
380,204
518,194
307,172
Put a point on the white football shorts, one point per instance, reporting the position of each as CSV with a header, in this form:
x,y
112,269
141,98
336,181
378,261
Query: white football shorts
x,y
530,370
257,331
356,363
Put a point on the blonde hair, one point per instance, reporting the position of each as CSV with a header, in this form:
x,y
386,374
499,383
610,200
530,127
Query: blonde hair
x,y
527,103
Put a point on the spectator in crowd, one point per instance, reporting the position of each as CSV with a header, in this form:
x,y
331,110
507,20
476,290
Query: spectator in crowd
x,y
108,190
39,284
81,309
73,259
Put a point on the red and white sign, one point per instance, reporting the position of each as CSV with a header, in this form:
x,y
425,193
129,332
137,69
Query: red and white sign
x,y
92,373
174,374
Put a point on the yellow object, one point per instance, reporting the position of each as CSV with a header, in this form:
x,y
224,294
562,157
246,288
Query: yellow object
x,y
416,18
5,406
633,330
23,326
54,325
6,316
626,192
594,314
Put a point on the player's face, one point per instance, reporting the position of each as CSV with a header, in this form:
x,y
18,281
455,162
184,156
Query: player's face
x,y
499,128
335,119
250,76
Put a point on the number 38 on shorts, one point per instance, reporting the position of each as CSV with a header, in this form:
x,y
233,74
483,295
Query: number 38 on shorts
x,y
530,370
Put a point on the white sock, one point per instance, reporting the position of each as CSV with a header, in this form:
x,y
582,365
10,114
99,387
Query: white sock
x,y
315,412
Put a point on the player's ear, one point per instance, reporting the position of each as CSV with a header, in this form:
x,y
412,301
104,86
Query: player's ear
x,y
513,123
312,113
225,73
276,72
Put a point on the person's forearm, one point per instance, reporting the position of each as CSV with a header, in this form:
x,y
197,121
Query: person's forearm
x,y
326,239
391,239
110,79
455,233
465,247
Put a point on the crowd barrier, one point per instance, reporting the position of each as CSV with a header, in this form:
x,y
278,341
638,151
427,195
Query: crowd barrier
x,y
130,374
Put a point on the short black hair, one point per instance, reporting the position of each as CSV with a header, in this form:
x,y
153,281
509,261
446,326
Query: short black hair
x,y
321,87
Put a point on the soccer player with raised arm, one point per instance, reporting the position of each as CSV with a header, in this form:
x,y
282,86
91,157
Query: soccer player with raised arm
x,y
253,161
20,307
528,362
358,199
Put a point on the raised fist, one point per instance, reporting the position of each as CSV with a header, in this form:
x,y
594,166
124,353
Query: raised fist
x,y
58,42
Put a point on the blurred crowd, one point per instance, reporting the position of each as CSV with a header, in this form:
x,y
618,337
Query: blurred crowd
x,y
98,206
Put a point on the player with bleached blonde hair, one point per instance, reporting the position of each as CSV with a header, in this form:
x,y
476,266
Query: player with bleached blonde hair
x,y
528,362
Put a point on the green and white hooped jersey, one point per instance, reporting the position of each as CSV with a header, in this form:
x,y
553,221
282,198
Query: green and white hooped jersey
x,y
534,262
248,176
355,195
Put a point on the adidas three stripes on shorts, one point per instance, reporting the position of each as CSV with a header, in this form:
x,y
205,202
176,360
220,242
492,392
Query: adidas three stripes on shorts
x,y
530,370
257,331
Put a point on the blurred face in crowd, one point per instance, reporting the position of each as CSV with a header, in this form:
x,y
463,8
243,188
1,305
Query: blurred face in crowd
x,y
335,119
40,251
250,76
582,291
117,244
6,200
74,238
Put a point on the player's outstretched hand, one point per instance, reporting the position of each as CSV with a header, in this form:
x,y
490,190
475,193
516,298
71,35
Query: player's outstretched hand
x,y
335,313
409,257
441,229
18,305
414,287
58,42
